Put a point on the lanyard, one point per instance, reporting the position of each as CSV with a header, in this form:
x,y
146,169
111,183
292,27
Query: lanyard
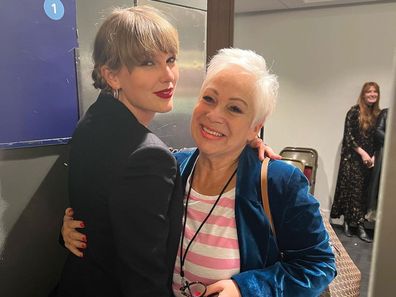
x,y
183,257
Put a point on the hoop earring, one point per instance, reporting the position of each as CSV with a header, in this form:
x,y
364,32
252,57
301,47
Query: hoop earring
x,y
116,93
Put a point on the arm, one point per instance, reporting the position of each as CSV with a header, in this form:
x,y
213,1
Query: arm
x,y
308,263
140,220
351,128
263,149
366,159
257,143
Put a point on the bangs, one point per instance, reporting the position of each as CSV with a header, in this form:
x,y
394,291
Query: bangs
x,y
145,39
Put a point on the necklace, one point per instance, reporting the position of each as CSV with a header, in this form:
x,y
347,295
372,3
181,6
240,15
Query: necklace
x,y
183,257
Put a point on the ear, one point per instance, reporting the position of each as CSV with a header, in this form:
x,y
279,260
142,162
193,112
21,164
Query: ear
x,y
111,77
254,131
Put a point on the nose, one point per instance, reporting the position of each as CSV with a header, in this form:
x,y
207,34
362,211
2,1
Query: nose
x,y
215,115
169,74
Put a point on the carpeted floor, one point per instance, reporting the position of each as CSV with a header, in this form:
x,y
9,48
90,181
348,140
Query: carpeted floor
x,y
360,252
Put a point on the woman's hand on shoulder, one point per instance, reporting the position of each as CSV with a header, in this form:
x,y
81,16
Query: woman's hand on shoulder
x,y
224,288
74,241
263,149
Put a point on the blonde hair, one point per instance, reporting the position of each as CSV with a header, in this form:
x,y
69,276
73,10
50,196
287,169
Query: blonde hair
x,y
368,115
129,37
266,90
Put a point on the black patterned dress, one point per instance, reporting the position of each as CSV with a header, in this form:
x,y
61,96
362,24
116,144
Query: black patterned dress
x,y
353,176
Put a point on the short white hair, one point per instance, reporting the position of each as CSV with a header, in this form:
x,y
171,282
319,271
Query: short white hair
x,y
267,85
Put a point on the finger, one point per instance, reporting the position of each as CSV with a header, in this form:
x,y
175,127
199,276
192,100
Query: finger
x,y
213,289
69,231
67,218
270,153
74,250
75,242
69,212
211,292
75,235
78,244
73,224
261,152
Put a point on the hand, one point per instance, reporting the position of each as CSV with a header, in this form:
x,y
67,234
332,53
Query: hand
x,y
73,239
263,149
372,161
225,288
367,160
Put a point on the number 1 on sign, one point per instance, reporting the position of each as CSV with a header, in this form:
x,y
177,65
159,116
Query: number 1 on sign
x,y
53,5
54,9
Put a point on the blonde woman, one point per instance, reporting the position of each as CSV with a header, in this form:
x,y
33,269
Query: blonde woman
x,y
227,246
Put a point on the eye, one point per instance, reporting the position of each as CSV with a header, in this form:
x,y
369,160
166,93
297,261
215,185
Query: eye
x,y
235,109
208,99
147,63
171,60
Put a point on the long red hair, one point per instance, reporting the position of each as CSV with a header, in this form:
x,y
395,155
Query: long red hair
x,y
368,114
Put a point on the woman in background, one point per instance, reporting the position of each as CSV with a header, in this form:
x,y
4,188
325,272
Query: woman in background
x,y
357,157
227,245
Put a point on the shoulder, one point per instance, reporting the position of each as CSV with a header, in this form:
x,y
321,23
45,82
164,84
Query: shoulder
x,y
280,167
354,109
282,173
353,114
184,154
384,112
152,149
285,180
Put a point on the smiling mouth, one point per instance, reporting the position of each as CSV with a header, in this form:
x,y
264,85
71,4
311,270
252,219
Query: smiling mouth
x,y
165,94
211,132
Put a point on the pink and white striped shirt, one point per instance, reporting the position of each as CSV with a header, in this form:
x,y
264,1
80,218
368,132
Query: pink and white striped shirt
x,y
214,253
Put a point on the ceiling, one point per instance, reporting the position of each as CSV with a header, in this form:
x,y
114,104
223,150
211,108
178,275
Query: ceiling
x,y
246,6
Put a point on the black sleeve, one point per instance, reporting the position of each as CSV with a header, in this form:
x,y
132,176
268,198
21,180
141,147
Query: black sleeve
x,y
60,238
351,127
380,127
140,218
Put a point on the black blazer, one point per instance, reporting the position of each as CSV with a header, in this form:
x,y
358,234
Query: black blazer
x,y
124,184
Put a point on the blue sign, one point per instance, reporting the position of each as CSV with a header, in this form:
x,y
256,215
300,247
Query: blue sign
x,y
38,105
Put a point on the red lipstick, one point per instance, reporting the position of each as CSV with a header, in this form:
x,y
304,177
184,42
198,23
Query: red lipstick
x,y
165,94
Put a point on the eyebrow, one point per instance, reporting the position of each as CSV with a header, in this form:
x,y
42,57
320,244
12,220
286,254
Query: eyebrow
x,y
232,98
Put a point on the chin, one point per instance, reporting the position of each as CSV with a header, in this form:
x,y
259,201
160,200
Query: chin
x,y
370,104
166,109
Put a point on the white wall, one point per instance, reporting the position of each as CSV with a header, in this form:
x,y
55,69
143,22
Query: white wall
x,y
322,57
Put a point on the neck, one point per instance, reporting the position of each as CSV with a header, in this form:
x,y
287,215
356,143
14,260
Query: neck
x,y
211,175
142,116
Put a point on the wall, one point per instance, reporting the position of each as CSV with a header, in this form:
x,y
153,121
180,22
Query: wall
x,y
33,195
322,57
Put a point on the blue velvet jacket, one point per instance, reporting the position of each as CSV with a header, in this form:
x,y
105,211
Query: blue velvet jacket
x,y
299,261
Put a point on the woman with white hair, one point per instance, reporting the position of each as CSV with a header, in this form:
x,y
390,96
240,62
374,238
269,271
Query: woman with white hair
x,y
228,247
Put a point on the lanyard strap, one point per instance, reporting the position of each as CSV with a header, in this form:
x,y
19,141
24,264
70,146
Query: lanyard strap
x,y
183,257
